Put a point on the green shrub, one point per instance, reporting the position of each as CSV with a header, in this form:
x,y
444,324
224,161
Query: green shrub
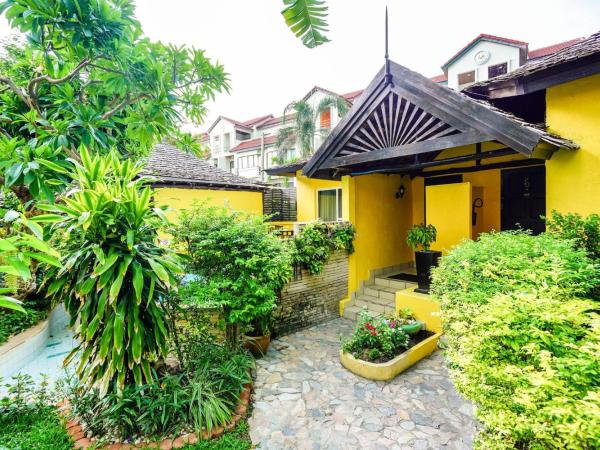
x,y
585,232
521,342
376,337
241,267
12,323
511,261
531,364
113,273
313,245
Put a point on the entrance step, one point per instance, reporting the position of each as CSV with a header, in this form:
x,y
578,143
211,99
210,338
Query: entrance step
x,y
378,297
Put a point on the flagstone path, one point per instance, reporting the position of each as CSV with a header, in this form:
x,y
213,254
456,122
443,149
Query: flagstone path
x,y
305,399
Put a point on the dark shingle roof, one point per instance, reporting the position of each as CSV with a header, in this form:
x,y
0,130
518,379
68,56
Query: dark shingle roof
x,y
169,165
288,168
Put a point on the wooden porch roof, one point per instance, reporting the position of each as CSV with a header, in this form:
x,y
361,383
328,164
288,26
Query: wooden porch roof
x,y
403,120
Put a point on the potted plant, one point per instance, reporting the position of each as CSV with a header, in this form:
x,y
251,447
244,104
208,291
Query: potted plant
x,y
258,336
420,237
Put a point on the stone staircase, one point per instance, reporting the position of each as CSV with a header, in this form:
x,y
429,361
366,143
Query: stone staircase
x,y
378,295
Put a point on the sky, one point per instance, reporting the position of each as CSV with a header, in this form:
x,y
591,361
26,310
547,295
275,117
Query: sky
x,y
269,67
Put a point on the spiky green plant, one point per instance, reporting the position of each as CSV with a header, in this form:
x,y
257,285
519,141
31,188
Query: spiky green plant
x,y
20,249
113,273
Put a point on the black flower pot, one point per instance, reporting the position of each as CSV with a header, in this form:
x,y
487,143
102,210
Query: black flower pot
x,y
425,260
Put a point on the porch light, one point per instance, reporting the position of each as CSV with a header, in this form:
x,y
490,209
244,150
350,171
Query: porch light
x,y
401,191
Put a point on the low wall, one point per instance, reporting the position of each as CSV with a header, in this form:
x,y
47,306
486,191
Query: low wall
x,y
313,299
23,348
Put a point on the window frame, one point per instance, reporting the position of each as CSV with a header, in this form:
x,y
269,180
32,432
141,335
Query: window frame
x,y
338,207
505,64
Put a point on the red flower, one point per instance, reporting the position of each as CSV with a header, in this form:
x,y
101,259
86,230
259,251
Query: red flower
x,y
369,327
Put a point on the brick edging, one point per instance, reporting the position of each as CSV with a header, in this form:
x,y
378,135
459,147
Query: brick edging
x,y
76,433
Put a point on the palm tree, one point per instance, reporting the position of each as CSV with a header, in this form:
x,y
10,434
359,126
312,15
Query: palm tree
x,y
302,131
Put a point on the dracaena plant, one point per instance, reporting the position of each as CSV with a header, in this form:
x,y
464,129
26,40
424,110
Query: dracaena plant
x,y
22,247
113,273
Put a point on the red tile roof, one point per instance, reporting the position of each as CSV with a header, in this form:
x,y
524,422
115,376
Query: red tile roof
x,y
545,51
488,37
276,121
439,78
257,120
351,96
252,143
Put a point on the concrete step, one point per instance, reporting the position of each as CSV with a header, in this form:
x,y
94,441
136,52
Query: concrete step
x,y
374,290
368,299
351,312
395,284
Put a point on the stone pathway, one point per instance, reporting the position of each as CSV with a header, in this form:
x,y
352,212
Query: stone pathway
x,y
305,399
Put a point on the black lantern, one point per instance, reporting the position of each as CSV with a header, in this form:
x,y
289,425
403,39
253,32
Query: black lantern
x,y
401,191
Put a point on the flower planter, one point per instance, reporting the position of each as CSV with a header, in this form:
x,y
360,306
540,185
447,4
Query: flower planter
x,y
390,369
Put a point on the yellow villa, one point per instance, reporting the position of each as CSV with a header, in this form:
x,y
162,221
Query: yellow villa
x,y
496,156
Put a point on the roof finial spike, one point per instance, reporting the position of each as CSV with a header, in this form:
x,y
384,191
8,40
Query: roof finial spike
x,y
388,75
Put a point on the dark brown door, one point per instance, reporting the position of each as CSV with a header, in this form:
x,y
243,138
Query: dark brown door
x,y
524,199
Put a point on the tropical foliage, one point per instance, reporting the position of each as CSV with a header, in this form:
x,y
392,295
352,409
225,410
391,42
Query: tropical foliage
x,y
583,231
306,19
421,236
312,247
302,131
200,398
87,76
522,342
113,273
23,247
240,265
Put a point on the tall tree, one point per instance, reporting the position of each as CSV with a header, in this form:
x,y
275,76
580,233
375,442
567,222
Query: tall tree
x,y
87,76
303,129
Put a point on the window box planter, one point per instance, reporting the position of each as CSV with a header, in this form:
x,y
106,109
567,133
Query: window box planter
x,y
390,369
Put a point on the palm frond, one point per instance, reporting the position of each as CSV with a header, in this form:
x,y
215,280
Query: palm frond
x,y
306,19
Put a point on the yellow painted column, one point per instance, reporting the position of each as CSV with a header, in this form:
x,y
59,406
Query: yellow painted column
x,y
448,208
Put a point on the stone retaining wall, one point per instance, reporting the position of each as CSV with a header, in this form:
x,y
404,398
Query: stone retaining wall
x,y
313,299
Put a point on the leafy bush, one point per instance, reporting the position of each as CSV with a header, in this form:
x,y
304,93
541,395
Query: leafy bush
x,y
28,419
22,248
313,246
421,236
520,341
584,232
201,398
375,338
113,273
12,323
241,267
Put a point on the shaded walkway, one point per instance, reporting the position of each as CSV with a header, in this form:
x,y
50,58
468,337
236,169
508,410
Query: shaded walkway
x,y
305,399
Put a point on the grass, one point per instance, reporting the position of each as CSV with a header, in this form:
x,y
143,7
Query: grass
x,y
44,430
238,439
41,429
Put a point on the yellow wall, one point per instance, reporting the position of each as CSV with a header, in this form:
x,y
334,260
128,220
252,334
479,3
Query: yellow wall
x,y
306,195
573,177
181,198
381,223
449,210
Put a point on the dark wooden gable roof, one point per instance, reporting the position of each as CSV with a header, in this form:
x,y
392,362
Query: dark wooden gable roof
x,y
407,114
